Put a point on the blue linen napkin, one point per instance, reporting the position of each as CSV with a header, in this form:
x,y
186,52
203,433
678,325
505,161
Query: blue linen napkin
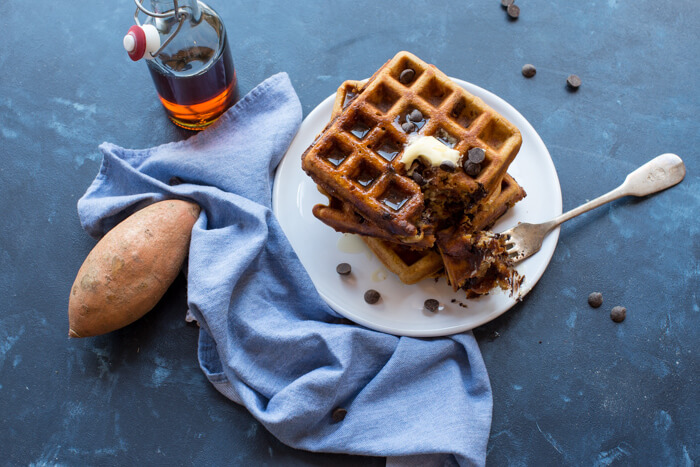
x,y
267,340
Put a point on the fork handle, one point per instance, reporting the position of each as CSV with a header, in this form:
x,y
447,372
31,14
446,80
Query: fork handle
x,y
660,173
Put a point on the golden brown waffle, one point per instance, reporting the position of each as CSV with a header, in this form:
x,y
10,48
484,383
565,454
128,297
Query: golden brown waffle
x,y
340,215
356,158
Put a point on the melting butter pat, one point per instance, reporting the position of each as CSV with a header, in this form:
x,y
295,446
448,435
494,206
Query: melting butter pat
x,y
430,150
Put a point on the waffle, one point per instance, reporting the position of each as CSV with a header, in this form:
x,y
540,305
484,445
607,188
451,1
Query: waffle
x,y
477,262
413,266
341,216
356,160
408,263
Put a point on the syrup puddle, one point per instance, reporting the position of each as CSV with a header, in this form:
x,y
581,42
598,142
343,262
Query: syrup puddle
x,y
379,275
352,244
349,243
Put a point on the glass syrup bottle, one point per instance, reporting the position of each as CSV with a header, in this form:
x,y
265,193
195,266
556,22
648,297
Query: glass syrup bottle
x,y
187,53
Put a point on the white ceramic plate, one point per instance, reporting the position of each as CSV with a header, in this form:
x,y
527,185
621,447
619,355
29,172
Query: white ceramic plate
x,y
400,310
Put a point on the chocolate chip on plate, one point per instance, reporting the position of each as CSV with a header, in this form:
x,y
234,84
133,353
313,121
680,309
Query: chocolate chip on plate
x,y
431,305
415,115
476,155
339,414
472,169
343,269
447,166
618,314
407,75
513,11
372,296
595,299
574,82
408,126
506,3
529,70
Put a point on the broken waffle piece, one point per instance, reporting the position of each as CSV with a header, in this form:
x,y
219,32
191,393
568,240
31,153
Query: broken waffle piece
x,y
477,262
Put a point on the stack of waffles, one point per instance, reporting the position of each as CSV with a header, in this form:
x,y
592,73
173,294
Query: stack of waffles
x,y
421,219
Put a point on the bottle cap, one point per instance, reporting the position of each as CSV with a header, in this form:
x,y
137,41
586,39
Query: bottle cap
x,y
141,42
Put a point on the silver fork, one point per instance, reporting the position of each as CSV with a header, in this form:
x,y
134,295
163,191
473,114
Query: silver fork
x,y
664,171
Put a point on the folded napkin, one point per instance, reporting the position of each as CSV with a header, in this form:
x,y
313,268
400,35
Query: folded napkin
x,y
267,340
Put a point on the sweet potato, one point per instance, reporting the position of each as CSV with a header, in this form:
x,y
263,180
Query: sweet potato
x,y
130,268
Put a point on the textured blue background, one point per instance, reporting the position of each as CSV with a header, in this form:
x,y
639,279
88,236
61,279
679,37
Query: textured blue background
x,y
570,386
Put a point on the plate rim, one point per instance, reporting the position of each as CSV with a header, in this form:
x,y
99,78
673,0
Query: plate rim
x,y
451,329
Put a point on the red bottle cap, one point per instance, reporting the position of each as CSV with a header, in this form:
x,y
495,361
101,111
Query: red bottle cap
x,y
135,42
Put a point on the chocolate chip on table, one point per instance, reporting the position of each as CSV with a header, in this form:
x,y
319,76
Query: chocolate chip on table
x,y
529,70
618,314
472,169
339,414
415,115
343,269
506,3
408,126
407,75
476,155
447,166
372,296
513,11
573,82
595,299
431,305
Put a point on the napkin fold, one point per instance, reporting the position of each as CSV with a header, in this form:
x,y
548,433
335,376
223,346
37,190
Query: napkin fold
x,y
267,340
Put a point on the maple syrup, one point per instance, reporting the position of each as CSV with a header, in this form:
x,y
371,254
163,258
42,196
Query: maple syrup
x,y
194,96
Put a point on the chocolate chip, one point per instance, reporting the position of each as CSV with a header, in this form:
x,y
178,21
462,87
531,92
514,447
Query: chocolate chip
x,y
506,3
472,169
529,70
175,181
408,126
372,296
574,82
415,115
513,11
595,299
418,178
476,155
448,166
618,314
431,305
339,414
407,75
343,269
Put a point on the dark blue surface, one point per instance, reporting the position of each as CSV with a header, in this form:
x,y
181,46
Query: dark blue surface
x,y
570,386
